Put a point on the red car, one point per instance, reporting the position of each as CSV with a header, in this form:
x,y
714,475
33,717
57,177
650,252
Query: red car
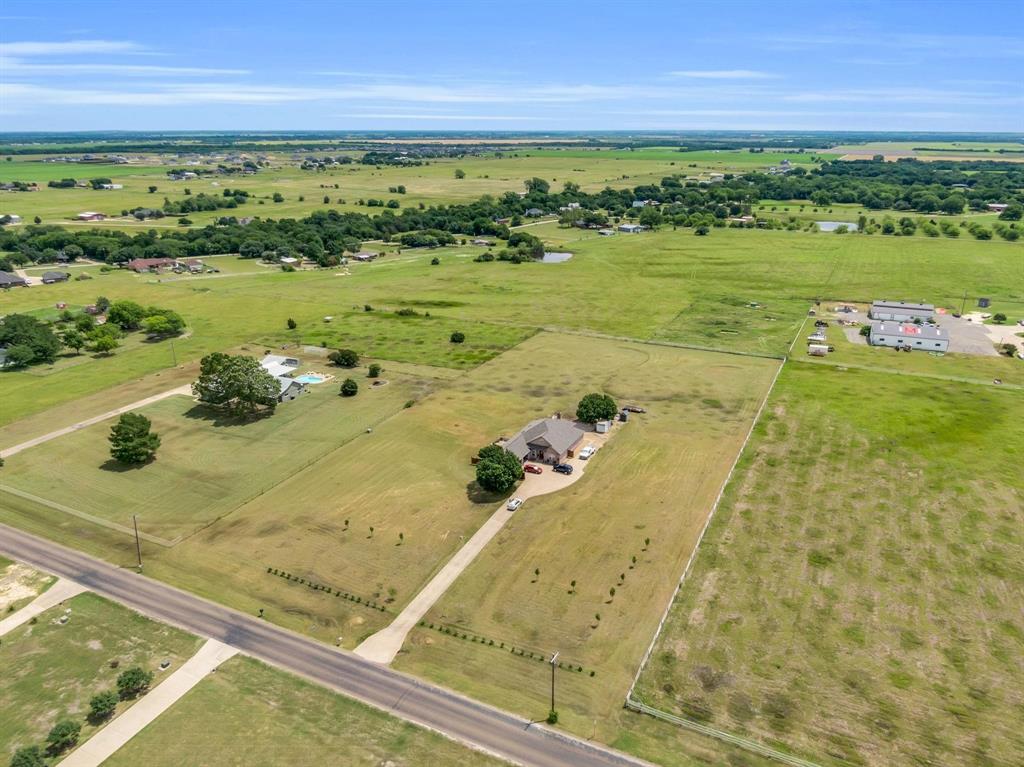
x,y
529,468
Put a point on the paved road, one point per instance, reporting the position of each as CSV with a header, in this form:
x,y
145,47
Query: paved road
x,y
459,718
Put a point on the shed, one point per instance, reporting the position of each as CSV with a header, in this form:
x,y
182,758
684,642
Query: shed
x,y
602,427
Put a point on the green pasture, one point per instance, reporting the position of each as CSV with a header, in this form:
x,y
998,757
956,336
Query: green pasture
x,y
858,596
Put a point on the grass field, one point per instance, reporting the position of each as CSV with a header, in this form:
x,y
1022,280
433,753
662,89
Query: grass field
x,y
858,596
256,716
52,670
667,285
213,464
644,496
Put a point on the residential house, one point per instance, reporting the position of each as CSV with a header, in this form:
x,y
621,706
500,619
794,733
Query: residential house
x,y
533,213
645,203
8,280
11,218
631,228
279,366
51,277
151,264
606,232
290,388
111,186
483,243
550,440
909,336
364,255
997,207
900,311
90,215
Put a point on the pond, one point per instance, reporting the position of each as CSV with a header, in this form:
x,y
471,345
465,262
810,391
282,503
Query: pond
x,y
831,226
555,258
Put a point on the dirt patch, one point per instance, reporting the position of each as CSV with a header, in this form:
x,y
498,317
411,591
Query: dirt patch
x,y
18,583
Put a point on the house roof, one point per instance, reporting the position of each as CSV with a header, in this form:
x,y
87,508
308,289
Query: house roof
x,y
287,383
6,278
889,305
555,433
910,330
55,275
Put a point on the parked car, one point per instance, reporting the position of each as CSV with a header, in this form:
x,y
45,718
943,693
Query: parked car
x,y
586,452
529,468
562,468
514,504
634,409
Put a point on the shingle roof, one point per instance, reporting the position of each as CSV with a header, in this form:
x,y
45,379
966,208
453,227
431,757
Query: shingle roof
x,y
6,278
555,433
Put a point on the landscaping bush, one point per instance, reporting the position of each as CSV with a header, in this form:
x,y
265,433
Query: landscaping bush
x,y
349,388
133,682
457,337
344,358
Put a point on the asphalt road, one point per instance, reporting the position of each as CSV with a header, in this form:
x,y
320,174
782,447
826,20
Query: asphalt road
x,y
462,719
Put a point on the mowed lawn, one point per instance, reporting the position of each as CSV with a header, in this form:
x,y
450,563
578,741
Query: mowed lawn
x,y
50,671
207,465
645,495
255,716
858,598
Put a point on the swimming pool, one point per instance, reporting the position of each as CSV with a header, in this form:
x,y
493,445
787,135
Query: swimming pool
x,y
311,378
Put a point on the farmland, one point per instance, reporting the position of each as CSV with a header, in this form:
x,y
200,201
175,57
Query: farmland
x,y
858,596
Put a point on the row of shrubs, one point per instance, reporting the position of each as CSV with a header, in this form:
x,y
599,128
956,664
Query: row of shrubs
x,y
327,589
530,654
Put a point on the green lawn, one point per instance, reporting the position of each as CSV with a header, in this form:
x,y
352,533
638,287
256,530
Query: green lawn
x,y
52,670
858,597
256,716
207,465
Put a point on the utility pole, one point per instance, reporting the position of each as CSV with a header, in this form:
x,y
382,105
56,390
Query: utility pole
x,y
554,665
964,304
138,544
174,357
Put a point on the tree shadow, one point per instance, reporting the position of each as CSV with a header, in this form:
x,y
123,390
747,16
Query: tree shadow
x,y
218,417
477,494
116,467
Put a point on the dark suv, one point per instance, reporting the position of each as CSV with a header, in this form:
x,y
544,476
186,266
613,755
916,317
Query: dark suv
x,y
562,468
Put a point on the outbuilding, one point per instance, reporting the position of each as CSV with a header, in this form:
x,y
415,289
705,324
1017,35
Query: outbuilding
x,y
907,335
900,311
51,277
8,280
631,228
90,215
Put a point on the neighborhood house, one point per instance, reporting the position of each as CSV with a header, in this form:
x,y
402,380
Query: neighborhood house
x,y
631,228
900,311
90,215
282,368
8,280
550,440
909,336
151,264
51,277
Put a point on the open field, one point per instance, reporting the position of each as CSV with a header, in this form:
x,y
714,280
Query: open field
x,y
52,670
858,596
256,716
214,464
645,495
667,286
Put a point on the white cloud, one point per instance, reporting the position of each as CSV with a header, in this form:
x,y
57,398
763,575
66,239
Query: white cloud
x,y
724,74
17,66
68,48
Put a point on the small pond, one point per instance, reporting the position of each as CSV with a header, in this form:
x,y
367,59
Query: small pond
x,y
831,226
555,258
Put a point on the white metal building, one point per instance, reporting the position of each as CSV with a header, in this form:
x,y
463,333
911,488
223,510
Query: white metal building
x,y
908,335
900,311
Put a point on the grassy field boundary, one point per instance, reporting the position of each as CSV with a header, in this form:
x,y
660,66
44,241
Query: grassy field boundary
x,y
703,531
89,517
726,737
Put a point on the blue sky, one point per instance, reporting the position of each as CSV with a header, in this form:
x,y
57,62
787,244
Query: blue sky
x,y
918,66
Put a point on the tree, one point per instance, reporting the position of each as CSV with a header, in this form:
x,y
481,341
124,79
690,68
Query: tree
x,y
133,682
63,736
374,371
127,315
38,220
999,318
457,337
701,231
344,358
105,344
349,388
29,756
73,339
19,356
163,322
953,205
102,304
1009,349
498,470
435,261
292,324
236,383
651,217
152,190
596,407
183,221
1013,212
131,439
251,249
537,186
278,197
22,330
460,173
102,706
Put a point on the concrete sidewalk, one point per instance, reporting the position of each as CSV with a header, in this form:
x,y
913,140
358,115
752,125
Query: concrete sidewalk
x,y
57,593
104,743
186,390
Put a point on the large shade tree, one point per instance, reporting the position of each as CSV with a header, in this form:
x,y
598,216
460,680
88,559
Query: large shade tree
x,y
235,383
596,407
132,439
